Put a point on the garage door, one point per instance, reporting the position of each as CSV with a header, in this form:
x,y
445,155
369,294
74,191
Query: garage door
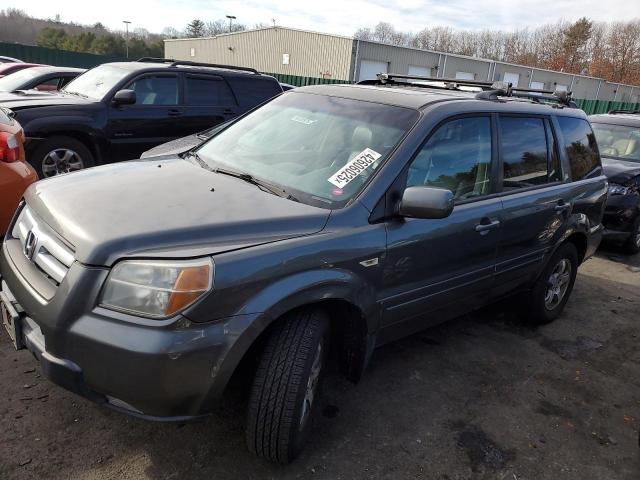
x,y
465,76
537,85
512,78
419,71
369,69
561,88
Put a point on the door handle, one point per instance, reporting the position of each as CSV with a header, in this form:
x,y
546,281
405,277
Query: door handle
x,y
561,207
175,113
485,225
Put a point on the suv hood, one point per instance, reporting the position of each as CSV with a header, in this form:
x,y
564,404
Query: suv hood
x,y
620,171
164,208
34,98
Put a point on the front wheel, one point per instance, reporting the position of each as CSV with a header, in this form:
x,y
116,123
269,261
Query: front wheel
x,y
286,384
546,300
59,154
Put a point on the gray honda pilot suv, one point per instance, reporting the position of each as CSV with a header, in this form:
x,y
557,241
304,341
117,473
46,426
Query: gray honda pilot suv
x,y
329,221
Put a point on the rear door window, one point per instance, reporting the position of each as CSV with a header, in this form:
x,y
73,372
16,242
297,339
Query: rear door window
x,y
208,91
526,160
580,147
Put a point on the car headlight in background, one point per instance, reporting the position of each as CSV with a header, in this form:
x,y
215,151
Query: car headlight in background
x,y
615,189
158,288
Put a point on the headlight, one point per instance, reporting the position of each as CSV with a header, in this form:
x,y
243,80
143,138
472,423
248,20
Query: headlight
x,y
156,289
615,189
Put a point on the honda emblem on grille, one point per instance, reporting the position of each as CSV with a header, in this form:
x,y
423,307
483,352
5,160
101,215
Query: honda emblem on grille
x,y
30,243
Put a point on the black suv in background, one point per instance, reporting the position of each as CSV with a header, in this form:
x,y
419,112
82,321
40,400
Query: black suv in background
x,y
330,220
118,110
618,135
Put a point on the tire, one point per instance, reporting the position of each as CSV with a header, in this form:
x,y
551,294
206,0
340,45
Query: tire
x,y
57,155
543,307
280,410
632,245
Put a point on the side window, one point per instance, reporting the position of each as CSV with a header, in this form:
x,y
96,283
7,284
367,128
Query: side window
x,y
581,147
525,158
209,91
456,157
50,85
156,90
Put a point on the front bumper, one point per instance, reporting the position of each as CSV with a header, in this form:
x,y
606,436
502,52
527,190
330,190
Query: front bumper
x,y
170,372
620,214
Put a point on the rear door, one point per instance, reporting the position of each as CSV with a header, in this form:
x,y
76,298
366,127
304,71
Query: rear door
x,y
152,120
534,195
209,101
435,269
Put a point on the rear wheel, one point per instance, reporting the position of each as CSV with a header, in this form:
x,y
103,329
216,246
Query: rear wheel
x,y
632,245
550,293
58,155
286,385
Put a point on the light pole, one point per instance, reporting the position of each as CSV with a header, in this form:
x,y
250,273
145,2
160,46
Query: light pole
x,y
126,25
231,19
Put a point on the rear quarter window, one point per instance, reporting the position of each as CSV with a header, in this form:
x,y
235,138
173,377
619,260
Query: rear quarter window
x,y
580,147
209,91
252,91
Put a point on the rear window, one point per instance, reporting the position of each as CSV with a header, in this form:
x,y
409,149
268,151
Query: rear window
x,y
210,91
581,148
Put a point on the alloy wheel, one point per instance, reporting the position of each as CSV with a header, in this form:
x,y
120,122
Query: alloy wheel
x,y
557,284
61,160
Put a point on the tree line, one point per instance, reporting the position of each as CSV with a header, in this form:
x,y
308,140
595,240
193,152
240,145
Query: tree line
x,y
607,50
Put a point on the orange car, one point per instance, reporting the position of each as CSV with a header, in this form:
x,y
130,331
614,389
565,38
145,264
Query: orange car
x,y
15,173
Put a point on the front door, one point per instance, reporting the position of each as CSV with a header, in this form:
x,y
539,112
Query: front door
x,y
435,269
152,120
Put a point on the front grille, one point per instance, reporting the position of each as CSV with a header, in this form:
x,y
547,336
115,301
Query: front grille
x,y
42,246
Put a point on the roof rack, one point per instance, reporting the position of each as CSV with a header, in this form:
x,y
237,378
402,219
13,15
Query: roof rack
x,y
177,63
490,90
613,112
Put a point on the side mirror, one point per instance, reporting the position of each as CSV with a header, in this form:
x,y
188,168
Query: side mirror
x,y
124,97
426,202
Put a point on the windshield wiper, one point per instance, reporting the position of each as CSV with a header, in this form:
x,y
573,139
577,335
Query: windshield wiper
x,y
265,186
76,94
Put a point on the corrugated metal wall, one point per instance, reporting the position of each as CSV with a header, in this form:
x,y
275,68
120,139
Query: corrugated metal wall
x,y
309,54
50,56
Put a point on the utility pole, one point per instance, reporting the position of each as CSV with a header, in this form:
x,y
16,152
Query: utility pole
x,y
126,41
231,19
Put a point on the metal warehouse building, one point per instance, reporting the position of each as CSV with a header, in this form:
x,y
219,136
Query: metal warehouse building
x,y
301,57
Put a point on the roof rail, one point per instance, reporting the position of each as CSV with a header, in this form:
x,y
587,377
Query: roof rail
x,y
155,60
187,63
620,110
490,90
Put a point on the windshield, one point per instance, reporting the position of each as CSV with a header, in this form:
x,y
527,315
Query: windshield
x,y
321,149
16,80
618,141
95,83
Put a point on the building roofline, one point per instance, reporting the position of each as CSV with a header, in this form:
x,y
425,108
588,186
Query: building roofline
x,y
277,27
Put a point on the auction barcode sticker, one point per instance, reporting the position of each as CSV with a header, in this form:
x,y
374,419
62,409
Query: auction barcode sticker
x,y
355,167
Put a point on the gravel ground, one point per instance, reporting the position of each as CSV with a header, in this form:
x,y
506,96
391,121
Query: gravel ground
x,y
481,397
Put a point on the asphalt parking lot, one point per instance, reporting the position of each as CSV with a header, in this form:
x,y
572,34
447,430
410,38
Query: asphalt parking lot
x,y
479,397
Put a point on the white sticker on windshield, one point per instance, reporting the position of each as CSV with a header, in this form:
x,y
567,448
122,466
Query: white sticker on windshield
x,y
302,120
355,167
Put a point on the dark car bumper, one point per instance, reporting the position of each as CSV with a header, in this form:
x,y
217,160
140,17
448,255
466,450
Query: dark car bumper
x,y
173,372
620,214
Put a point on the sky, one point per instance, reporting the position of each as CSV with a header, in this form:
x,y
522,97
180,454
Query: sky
x,y
332,16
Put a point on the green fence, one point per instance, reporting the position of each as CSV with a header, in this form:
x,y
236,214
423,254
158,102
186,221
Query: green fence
x,y
50,56
603,106
297,81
